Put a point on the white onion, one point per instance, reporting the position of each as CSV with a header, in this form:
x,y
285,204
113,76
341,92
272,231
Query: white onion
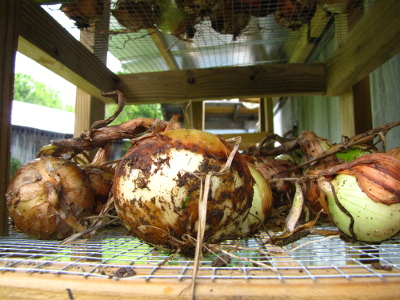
x,y
261,205
373,221
158,183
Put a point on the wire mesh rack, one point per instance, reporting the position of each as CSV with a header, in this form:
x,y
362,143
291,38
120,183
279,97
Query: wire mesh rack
x,y
160,35
114,255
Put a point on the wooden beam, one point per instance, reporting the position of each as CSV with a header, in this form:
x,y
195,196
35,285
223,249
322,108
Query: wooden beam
x,y
44,40
373,41
228,109
300,48
224,83
9,25
163,47
37,286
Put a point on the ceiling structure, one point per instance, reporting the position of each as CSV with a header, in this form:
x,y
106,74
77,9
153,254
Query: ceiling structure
x,y
226,49
161,35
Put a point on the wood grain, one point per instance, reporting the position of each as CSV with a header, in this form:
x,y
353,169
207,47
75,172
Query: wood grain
x,y
372,41
224,83
48,43
45,286
9,20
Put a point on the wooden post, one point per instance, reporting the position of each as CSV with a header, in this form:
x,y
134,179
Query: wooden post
x,y
9,28
362,106
87,108
266,115
355,103
194,115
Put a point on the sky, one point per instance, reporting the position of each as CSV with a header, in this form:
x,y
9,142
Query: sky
x,y
39,73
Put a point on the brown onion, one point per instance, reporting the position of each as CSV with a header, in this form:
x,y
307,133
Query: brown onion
x,y
101,180
49,197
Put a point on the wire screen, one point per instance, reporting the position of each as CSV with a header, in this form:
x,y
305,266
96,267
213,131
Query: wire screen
x,y
114,255
160,35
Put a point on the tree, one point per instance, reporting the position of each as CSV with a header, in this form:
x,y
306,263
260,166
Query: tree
x,y
129,112
26,89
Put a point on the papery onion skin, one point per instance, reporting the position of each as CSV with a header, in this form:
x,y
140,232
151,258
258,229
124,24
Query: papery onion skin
x,y
378,176
261,204
276,169
395,152
101,181
157,187
48,198
315,199
373,221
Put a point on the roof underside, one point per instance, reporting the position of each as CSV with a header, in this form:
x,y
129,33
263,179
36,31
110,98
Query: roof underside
x,y
160,35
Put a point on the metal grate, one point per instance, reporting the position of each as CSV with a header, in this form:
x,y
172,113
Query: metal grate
x,y
154,44
114,255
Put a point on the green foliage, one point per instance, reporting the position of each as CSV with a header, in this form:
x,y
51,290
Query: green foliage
x,y
26,89
15,164
130,112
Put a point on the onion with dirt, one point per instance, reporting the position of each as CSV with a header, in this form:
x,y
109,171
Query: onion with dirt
x,y
160,180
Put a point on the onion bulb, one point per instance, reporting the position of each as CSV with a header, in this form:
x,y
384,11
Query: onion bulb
x,y
101,176
395,152
159,181
364,198
138,14
49,197
101,180
261,204
294,13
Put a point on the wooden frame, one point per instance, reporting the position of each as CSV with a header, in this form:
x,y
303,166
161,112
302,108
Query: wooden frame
x,y
224,83
9,28
46,286
370,43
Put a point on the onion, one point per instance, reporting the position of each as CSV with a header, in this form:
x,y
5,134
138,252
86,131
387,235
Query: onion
x,y
228,20
49,197
315,199
138,14
261,204
294,13
159,181
276,169
101,176
373,221
395,152
201,8
101,180
83,12
364,198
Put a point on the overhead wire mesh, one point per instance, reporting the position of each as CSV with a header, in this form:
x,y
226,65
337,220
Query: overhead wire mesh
x,y
114,255
160,35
